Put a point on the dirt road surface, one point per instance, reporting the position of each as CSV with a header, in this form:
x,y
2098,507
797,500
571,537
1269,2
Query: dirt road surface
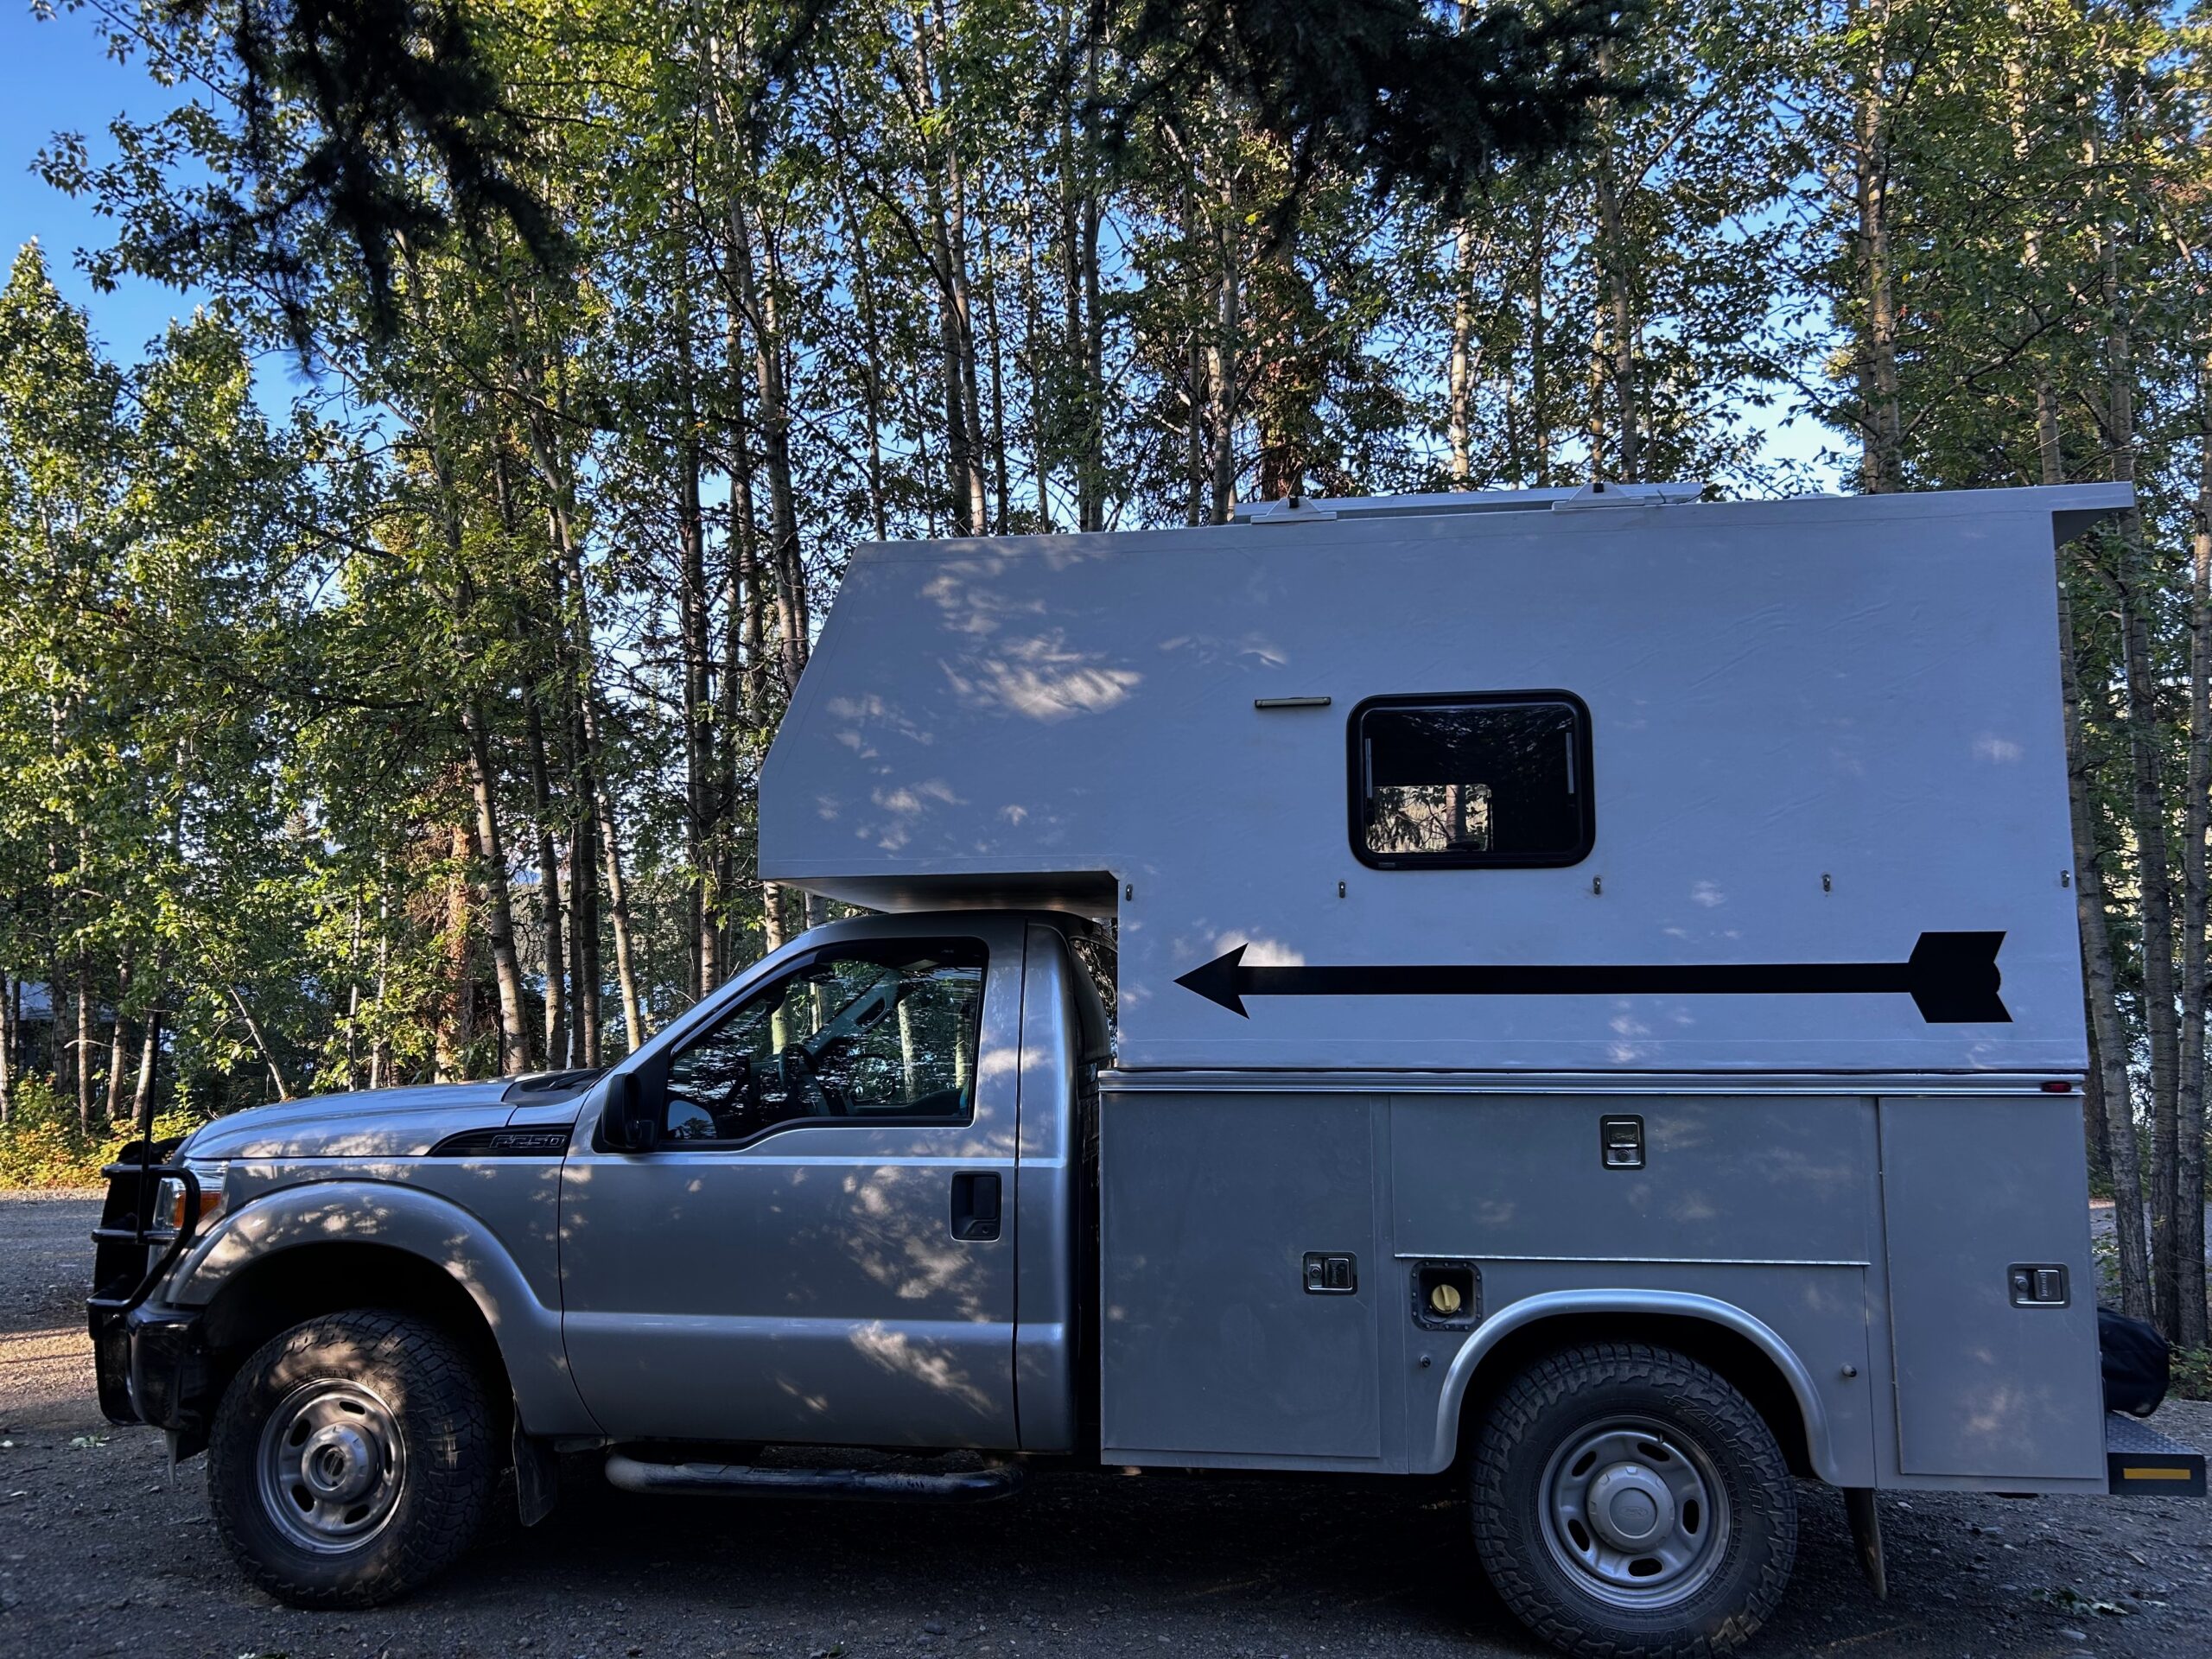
x,y
100,1555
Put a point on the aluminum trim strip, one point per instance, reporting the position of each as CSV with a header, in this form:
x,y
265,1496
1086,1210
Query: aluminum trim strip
x,y
1629,1261
1827,1084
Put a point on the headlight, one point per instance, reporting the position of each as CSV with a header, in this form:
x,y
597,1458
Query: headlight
x,y
169,1197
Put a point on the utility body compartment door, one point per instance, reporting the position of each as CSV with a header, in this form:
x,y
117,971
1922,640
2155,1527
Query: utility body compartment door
x,y
842,1274
1241,1276
1987,1387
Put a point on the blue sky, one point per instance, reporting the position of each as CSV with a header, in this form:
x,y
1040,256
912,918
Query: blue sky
x,y
54,76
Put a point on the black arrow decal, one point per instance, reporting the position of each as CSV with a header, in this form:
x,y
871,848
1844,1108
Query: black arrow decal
x,y
1951,978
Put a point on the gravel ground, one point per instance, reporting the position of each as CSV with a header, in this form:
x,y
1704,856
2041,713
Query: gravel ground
x,y
99,1553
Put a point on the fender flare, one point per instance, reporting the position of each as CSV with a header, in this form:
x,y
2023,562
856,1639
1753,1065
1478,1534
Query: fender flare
x,y
1532,1310
436,1230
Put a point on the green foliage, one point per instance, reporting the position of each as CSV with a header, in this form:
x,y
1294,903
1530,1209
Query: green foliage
x,y
2191,1374
42,1144
1386,89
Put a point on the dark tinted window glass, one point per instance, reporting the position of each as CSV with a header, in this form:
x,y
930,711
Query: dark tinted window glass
x,y
866,1033
1472,781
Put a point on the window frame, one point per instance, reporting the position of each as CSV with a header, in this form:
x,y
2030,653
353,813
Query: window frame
x,y
846,949
1356,781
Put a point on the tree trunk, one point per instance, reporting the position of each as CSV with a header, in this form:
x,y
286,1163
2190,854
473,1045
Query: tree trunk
x,y
773,424
554,959
149,1056
379,1045
499,913
775,930
863,277
618,916
261,1045
456,1027
1460,376
1086,309
749,621
700,817
755,300
2189,1172
82,1040
997,358
1540,409
118,1042
1033,349
1225,358
584,969
1881,461
2111,1043
548,885
1620,306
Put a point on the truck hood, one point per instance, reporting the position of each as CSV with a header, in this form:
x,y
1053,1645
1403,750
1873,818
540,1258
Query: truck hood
x,y
384,1123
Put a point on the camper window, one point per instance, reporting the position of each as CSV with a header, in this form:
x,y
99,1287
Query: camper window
x,y
1495,779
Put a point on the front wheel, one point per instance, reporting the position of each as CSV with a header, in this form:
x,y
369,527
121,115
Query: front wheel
x,y
1628,1503
351,1460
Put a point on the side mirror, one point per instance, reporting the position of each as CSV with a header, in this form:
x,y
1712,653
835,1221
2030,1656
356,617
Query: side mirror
x,y
628,1128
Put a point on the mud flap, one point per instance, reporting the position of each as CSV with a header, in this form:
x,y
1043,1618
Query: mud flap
x,y
537,1476
1866,1538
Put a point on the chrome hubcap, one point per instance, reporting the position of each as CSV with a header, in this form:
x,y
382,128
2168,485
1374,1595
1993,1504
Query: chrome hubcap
x,y
332,1465
1635,1513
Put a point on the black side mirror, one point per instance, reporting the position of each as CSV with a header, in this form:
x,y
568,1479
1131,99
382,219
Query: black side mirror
x,y
627,1126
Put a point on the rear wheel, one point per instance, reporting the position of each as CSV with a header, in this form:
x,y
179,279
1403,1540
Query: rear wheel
x,y
352,1459
1628,1503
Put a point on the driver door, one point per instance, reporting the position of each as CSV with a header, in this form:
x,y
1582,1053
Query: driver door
x,y
820,1248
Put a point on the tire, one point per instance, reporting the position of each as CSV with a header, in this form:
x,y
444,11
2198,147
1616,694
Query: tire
x,y
352,1459
1697,1511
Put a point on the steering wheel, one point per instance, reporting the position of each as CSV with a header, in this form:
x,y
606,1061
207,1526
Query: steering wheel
x,y
736,1106
802,1079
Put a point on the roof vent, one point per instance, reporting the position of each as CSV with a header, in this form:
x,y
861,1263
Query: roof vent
x,y
1598,493
1292,510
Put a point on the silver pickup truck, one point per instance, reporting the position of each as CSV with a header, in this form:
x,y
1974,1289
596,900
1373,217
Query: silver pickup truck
x,y
1597,1016
843,1201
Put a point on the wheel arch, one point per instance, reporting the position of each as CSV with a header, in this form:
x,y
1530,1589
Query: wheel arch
x,y
274,1292
322,1247
1742,1348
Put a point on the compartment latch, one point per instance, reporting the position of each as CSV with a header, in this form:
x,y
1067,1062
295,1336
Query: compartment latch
x,y
1332,1273
2036,1285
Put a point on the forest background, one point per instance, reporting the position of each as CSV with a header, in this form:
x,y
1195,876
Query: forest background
x,y
387,658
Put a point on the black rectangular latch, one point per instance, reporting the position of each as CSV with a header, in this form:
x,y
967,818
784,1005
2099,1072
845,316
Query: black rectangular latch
x,y
2036,1285
1331,1273
1620,1142
975,1205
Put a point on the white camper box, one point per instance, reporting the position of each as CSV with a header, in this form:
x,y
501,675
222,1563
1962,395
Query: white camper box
x,y
1711,1035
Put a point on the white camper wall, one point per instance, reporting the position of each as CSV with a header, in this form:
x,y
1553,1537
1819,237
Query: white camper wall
x,y
1863,689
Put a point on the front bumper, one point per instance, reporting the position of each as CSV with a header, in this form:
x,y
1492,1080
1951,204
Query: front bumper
x,y
151,1362
154,1368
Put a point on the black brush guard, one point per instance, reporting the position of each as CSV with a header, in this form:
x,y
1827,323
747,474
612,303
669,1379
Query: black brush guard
x,y
135,1249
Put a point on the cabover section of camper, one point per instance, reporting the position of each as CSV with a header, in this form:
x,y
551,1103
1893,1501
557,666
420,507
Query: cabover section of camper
x,y
1801,733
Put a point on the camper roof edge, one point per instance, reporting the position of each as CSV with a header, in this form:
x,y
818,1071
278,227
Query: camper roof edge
x,y
2075,509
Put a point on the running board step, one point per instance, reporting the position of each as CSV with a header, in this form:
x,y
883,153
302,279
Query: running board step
x,y
866,1485
2138,1459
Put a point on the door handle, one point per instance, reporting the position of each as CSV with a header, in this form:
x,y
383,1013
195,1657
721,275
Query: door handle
x,y
975,1205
